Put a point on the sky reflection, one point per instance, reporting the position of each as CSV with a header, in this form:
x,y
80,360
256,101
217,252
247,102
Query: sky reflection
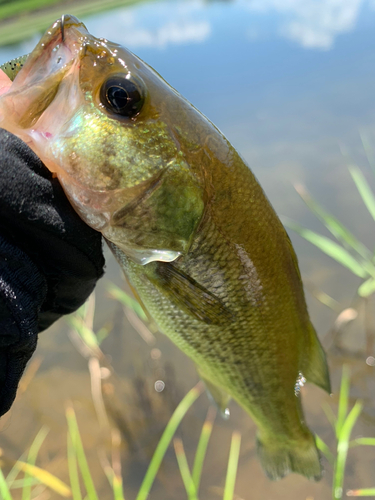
x,y
289,82
313,24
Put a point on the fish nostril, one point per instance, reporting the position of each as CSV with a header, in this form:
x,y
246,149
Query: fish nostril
x,y
84,48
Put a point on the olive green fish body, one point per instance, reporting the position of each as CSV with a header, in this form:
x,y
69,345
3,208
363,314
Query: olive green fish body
x,y
186,219
13,67
221,304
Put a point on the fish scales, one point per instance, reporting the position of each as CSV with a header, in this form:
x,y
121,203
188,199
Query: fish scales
x,y
186,219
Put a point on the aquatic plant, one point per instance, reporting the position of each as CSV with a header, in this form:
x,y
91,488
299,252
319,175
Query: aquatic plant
x,y
348,250
343,425
88,343
78,466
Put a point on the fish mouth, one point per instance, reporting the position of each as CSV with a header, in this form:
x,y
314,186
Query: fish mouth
x,y
37,84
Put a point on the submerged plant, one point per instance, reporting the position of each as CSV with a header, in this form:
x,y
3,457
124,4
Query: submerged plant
x,y
82,485
343,425
347,250
79,468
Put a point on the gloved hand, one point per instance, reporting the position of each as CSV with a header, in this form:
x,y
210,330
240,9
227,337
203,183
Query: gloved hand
x,y
50,260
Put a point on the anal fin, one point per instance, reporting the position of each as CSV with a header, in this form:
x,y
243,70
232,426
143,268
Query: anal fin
x,y
315,369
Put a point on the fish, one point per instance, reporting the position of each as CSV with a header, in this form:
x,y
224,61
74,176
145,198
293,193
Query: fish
x,y
196,236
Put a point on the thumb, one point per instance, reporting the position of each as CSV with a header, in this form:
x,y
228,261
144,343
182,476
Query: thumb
x,y
5,82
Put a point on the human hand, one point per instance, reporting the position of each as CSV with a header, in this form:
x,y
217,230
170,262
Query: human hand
x,y
50,260
5,83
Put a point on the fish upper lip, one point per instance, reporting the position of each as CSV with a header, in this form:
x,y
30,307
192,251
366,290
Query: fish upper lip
x,y
66,37
35,87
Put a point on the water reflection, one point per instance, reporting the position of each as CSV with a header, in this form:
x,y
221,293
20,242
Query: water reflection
x,y
312,24
288,110
156,25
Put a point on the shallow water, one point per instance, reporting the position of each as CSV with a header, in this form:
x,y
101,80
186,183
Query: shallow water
x,y
291,86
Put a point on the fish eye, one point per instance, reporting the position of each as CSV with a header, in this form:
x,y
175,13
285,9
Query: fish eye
x,y
121,96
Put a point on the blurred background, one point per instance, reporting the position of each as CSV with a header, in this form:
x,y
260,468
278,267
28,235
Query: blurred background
x,y
291,84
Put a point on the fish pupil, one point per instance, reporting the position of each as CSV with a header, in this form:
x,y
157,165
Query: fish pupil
x,y
118,97
121,97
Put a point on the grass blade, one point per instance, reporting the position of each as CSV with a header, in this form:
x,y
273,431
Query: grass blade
x,y
343,399
126,300
117,488
166,438
330,415
367,288
45,477
20,483
342,450
12,475
329,247
31,459
184,469
368,150
4,490
232,466
364,189
87,335
80,453
325,450
116,483
202,446
362,442
336,228
367,492
73,470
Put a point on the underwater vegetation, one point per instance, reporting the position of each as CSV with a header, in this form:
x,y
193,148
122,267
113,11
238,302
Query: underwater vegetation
x,y
360,262
24,477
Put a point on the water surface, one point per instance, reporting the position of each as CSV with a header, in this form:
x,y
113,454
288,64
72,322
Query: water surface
x,y
290,84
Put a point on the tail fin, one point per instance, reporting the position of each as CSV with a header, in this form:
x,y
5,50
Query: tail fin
x,y
315,369
279,459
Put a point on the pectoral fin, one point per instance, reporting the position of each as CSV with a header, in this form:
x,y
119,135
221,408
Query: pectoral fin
x,y
189,295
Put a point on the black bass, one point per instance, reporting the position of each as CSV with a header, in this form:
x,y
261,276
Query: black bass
x,y
185,217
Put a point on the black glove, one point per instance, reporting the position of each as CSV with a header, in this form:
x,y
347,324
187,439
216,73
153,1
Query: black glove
x,y
50,260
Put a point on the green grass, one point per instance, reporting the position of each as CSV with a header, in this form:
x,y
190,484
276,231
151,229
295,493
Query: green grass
x,y
351,253
343,426
22,19
81,480
166,439
347,250
82,485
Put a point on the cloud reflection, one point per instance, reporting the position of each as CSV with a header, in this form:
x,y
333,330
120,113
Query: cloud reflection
x,y
311,23
170,33
157,25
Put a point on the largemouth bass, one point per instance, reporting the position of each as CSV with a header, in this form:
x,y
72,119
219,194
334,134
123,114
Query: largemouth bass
x,y
185,217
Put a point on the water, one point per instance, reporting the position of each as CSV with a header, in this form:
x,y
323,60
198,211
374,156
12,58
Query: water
x,y
291,86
